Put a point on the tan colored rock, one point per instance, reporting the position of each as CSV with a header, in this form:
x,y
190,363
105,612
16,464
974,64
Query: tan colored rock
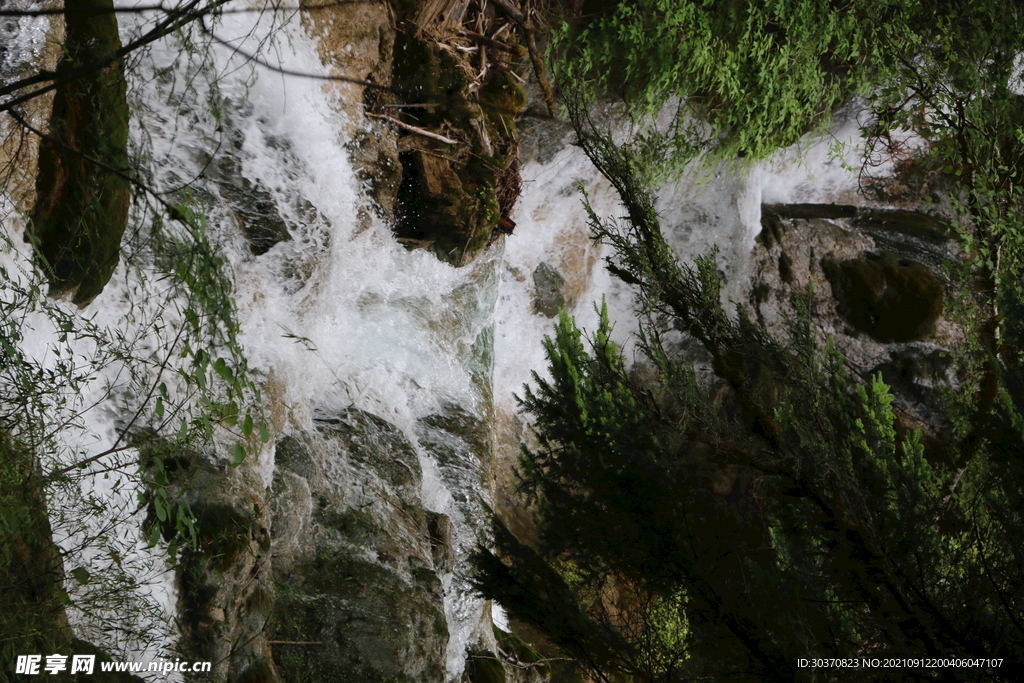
x,y
355,41
19,148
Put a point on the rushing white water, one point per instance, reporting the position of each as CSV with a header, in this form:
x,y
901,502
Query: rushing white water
x,y
367,323
701,210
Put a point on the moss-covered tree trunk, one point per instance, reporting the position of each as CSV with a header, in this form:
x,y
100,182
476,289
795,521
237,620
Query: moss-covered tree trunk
x,y
81,204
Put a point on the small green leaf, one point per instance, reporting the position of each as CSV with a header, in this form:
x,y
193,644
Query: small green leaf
x,y
264,433
247,425
161,511
231,413
159,408
80,574
223,370
239,454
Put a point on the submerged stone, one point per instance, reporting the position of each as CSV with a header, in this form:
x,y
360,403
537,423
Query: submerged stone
x,y
548,286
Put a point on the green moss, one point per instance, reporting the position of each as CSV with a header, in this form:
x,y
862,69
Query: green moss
x,y
448,197
503,97
482,666
513,644
81,206
224,533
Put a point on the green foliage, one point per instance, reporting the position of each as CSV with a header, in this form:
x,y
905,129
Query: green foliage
x,y
783,512
686,532
747,77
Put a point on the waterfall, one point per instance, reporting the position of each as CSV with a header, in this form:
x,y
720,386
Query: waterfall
x,y
342,325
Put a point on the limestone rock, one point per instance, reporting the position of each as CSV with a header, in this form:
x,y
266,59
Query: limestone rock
x,y
357,558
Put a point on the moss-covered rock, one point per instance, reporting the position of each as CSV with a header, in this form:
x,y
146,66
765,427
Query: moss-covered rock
x,y
502,96
891,299
33,617
32,597
81,208
453,196
357,558
483,666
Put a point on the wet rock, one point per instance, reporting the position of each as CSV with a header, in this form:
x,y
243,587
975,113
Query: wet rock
x,y
911,223
889,298
876,292
355,41
358,623
19,151
374,154
548,288
257,214
456,195
225,592
786,268
438,211
440,529
358,559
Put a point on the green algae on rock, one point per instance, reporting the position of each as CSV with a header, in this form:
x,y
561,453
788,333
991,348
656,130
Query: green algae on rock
x,y
889,298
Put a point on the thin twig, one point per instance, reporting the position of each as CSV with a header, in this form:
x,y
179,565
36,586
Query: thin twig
x,y
414,129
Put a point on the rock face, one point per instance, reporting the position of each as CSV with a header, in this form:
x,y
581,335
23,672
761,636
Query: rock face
x,y
455,192
225,593
357,558
332,573
877,288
